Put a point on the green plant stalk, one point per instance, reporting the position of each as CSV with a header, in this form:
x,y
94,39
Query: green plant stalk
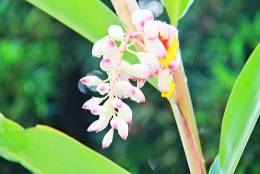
x,y
186,123
189,143
181,104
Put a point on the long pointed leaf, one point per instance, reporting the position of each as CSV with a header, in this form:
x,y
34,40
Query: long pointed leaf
x,y
44,150
176,9
90,18
241,114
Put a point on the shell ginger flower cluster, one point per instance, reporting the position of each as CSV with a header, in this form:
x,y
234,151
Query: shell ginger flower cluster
x,y
158,57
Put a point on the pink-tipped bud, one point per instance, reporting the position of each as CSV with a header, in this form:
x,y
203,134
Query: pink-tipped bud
x,y
122,128
137,95
103,88
116,32
126,113
90,80
114,122
99,124
122,89
97,110
139,17
98,48
108,138
117,103
91,103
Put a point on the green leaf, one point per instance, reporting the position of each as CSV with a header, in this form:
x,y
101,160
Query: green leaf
x,y
44,150
215,167
241,114
90,18
176,9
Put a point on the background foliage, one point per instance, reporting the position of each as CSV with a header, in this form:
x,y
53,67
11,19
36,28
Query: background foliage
x,y
41,62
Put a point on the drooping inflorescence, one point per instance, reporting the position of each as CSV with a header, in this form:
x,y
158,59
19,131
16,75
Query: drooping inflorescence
x,y
158,57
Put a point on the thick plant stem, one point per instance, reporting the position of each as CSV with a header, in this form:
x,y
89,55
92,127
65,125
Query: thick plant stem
x,y
188,141
186,123
180,103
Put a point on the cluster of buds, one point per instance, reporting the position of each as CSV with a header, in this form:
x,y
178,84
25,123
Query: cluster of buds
x,y
159,57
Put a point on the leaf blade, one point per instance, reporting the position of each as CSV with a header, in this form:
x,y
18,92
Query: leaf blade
x,y
42,149
242,112
215,167
78,15
177,9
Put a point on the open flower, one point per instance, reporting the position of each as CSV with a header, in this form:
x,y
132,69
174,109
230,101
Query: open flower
x,y
161,41
159,57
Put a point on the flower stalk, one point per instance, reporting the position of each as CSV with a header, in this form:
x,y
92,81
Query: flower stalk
x,y
180,102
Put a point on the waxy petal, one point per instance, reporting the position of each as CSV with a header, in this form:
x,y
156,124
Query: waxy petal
x,y
98,125
156,47
122,128
91,103
165,78
140,16
107,64
123,89
116,32
150,59
97,49
151,30
117,103
103,88
139,71
137,95
105,46
90,80
97,110
114,122
125,112
108,138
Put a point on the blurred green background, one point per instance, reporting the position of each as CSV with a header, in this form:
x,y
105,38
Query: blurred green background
x,y
41,62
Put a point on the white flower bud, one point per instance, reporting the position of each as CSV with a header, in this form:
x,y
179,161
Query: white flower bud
x,y
150,59
108,138
117,103
137,95
103,88
156,47
90,80
122,128
165,78
91,103
107,64
116,32
114,122
98,125
139,17
125,112
123,88
96,110
139,71
104,46
97,49
151,30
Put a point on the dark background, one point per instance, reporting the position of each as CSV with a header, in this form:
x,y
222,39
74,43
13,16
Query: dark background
x,y
41,61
